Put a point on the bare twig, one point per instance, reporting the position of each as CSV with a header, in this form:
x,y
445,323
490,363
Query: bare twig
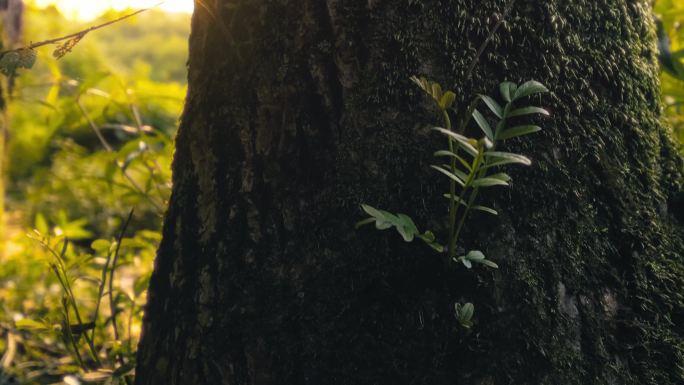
x,y
82,33
489,38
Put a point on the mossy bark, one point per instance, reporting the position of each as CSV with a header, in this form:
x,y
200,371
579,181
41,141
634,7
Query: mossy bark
x,y
298,111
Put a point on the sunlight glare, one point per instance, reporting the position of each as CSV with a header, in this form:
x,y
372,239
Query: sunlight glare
x,y
89,9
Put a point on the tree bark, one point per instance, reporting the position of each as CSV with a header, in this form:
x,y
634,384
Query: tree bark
x,y
298,111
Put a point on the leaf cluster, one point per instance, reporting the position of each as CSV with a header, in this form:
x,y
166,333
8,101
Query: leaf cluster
x,y
471,164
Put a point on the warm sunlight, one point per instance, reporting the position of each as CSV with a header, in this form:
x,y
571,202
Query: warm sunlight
x,y
88,9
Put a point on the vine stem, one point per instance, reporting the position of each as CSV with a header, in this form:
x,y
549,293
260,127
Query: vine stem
x,y
452,188
476,164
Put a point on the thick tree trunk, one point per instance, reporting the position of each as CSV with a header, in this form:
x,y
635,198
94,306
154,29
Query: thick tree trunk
x,y
298,111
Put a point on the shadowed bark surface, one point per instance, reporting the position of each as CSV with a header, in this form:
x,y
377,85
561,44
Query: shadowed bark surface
x,y
298,111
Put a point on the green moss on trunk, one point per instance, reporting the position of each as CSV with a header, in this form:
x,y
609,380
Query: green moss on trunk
x,y
300,110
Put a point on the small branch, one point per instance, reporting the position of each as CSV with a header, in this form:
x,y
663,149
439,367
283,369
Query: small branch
x,y
81,34
489,38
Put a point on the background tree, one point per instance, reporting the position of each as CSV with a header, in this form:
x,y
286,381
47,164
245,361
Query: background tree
x,y
10,31
299,111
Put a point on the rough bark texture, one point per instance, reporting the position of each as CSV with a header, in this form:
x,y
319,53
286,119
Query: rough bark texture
x,y
300,110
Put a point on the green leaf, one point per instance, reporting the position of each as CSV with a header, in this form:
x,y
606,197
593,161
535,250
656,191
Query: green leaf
x,y
449,174
488,181
489,263
428,236
421,82
527,111
383,224
42,224
529,88
501,176
447,100
493,105
405,233
468,311
462,141
383,219
456,156
100,245
456,199
507,89
498,157
483,124
518,131
364,222
372,211
485,209
436,91
406,227
457,172
437,247
31,325
475,256
464,314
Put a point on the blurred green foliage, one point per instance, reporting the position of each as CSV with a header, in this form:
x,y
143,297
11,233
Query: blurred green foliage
x,y
90,140
669,18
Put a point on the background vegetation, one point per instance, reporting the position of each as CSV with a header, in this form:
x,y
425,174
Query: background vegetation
x,y
90,140
670,16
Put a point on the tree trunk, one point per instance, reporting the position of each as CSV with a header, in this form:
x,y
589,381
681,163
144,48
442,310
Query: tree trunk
x,y
11,13
298,111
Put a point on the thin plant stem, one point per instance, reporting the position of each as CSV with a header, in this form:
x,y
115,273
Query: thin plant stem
x,y
482,171
112,304
452,188
61,273
476,166
70,335
100,291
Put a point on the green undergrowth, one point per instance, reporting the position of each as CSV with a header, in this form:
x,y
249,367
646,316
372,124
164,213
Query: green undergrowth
x,y
91,140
